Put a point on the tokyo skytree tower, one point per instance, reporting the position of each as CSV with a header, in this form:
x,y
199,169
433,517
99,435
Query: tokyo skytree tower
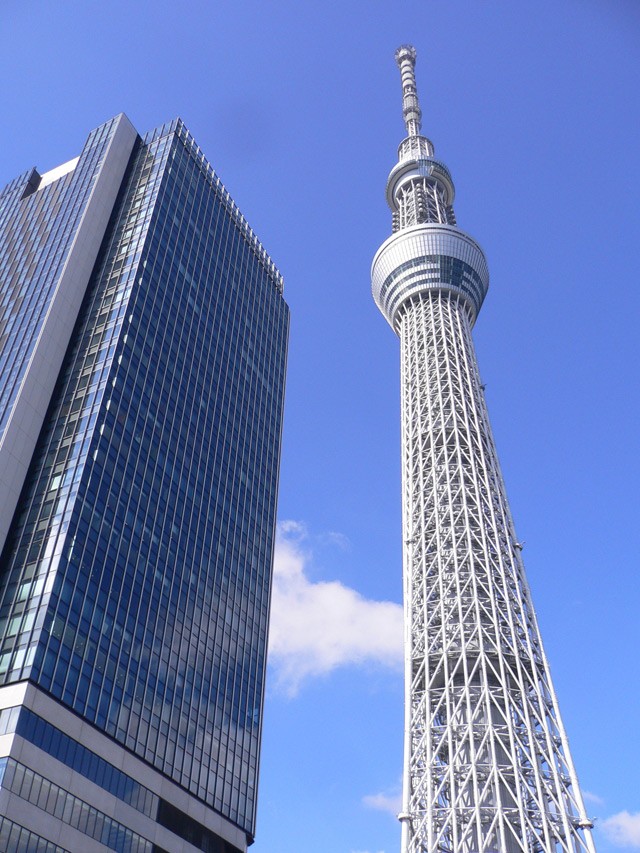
x,y
487,767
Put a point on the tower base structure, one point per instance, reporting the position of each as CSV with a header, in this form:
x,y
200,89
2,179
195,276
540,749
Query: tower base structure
x,y
65,786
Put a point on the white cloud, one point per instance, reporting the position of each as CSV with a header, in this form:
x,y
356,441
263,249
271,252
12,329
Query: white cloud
x,y
390,803
317,627
623,829
288,527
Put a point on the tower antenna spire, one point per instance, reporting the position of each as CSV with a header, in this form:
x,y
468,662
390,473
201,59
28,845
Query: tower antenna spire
x,y
406,59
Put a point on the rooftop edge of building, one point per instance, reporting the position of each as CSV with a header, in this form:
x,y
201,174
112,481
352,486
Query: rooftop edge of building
x,y
32,180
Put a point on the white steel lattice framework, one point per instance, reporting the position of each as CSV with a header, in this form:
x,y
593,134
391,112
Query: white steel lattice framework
x,y
487,763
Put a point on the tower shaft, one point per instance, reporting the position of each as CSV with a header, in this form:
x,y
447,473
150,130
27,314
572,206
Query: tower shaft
x,y
487,763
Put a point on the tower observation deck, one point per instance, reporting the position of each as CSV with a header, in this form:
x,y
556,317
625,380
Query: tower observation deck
x,y
487,767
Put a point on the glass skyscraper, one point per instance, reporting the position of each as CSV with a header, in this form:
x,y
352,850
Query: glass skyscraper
x,y
143,338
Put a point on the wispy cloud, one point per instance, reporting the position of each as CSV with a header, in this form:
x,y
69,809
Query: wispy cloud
x,y
390,803
339,540
592,798
317,627
623,829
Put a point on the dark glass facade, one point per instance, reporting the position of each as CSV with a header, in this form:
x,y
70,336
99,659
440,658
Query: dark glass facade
x,y
134,582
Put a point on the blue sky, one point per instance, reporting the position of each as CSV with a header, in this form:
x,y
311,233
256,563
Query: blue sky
x,y
534,108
